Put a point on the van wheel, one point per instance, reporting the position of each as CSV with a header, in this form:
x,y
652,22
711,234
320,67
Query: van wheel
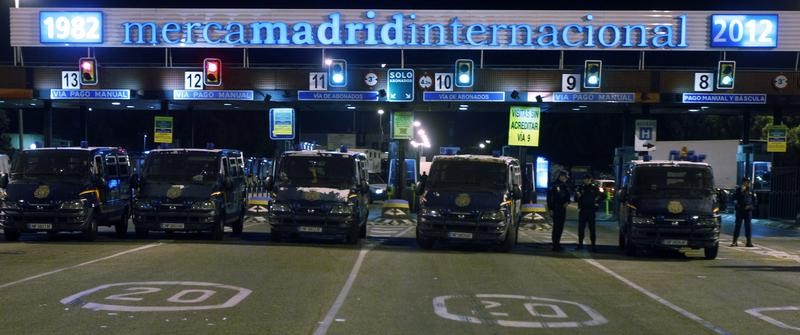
x,y
11,235
238,226
90,233
630,248
509,242
121,227
711,252
425,242
218,229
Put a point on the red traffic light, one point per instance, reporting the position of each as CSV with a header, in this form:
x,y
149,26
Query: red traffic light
x,y
212,71
88,69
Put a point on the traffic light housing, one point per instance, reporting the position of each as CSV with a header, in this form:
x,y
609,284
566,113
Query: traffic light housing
x,y
88,69
726,74
212,71
592,73
464,73
337,73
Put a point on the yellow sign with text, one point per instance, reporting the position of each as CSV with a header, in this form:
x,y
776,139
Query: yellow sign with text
x,y
163,129
523,126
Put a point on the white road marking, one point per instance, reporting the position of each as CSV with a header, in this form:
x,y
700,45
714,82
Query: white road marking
x,y
760,249
758,312
337,304
144,247
235,299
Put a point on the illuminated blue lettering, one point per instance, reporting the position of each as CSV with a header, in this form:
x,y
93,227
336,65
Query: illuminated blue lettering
x,y
565,35
268,29
333,28
303,33
370,30
189,31
683,44
553,35
601,35
239,32
629,30
141,31
456,26
352,30
474,29
662,37
168,29
397,27
427,40
495,28
207,36
515,34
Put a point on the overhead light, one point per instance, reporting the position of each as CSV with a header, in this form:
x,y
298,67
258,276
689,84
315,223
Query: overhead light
x,y
704,107
576,109
2,101
383,64
482,145
328,61
488,141
227,104
583,106
115,103
129,106
380,112
463,106
90,109
351,107
33,104
693,110
152,107
421,132
417,123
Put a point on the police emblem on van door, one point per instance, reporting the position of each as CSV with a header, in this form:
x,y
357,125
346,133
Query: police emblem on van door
x,y
174,191
311,195
675,207
41,192
463,200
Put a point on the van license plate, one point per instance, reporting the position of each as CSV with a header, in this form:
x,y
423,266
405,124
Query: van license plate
x,y
46,226
674,242
309,229
454,234
172,226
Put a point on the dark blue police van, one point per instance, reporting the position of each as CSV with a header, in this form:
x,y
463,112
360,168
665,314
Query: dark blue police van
x,y
65,190
470,198
318,193
191,190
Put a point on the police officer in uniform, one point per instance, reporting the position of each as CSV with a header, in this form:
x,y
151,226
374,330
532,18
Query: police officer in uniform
x,y
558,197
587,195
745,201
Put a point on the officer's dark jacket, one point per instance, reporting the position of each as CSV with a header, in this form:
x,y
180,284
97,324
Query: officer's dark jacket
x,y
558,195
587,196
745,200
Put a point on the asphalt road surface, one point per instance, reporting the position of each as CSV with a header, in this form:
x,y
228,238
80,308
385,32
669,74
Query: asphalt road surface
x,y
186,284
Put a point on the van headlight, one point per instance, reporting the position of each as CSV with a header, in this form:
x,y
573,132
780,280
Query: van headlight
x,y
643,220
429,212
493,216
707,222
72,204
205,205
342,209
278,208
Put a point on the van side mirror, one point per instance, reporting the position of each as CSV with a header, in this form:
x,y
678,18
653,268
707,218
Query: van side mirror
x,y
4,180
516,192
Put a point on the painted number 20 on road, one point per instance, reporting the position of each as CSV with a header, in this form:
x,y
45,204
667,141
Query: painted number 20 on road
x,y
158,296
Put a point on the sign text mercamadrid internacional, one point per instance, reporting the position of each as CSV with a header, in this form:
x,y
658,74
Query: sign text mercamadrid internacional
x,y
401,30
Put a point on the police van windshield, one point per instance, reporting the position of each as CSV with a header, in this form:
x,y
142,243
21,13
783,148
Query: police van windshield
x,y
179,168
62,164
665,179
468,174
336,172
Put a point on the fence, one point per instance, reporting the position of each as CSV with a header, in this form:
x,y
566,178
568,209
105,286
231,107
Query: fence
x,y
784,198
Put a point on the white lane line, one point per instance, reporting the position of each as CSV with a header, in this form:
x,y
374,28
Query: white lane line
x,y
337,304
148,246
652,295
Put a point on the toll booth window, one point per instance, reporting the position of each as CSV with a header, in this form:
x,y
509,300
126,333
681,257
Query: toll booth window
x,y
43,164
468,175
651,179
317,172
181,168
762,176
111,166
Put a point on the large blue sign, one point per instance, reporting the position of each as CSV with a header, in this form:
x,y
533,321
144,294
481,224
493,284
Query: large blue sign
x,y
337,95
281,123
400,85
71,27
724,98
593,97
58,94
744,31
465,96
239,95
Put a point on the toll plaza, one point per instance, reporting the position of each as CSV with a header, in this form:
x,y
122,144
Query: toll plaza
x,y
405,86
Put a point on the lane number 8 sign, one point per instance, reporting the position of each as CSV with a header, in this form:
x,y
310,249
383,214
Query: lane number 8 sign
x,y
704,82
